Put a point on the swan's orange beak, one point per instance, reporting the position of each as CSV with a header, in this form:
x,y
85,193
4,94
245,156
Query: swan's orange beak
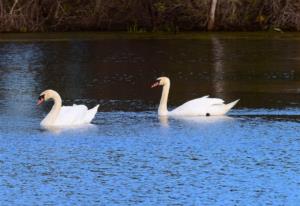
x,y
40,100
155,84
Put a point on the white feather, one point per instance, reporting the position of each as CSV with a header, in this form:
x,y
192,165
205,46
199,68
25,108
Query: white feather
x,y
202,106
76,114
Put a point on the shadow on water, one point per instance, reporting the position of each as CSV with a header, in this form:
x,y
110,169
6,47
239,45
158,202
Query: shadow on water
x,y
164,120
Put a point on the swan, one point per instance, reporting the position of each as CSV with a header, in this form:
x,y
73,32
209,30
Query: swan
x,y
203,106
65,115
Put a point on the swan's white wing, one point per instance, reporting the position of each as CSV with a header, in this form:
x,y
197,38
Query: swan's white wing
x,y
91,114
72,115
200,106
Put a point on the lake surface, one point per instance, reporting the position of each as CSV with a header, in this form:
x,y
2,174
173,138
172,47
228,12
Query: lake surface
x,y
129,156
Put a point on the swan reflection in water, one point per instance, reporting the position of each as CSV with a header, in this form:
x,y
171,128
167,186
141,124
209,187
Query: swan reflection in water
x,y
164,120
71,129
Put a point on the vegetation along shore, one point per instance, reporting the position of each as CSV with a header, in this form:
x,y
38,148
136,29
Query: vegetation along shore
x,y
149,15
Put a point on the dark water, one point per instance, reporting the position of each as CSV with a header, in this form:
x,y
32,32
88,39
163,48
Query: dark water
x,y
131,157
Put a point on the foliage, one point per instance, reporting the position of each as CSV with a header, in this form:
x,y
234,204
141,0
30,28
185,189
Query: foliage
x,y
146,15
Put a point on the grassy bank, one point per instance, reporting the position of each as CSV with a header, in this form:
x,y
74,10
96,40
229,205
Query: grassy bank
x,y
147,15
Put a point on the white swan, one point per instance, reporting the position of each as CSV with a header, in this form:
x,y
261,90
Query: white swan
x,y
203,106
65,115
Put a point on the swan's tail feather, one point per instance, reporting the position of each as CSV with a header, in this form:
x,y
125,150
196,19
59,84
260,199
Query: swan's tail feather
x,y
91,114
231,104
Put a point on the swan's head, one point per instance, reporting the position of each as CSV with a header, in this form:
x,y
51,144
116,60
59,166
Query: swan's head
x,y
161,81
46,95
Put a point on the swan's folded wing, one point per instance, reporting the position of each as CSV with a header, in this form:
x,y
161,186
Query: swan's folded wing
x,y
199,106
70,115
91,114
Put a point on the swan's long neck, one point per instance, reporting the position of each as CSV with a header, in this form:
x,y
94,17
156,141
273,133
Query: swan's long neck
x,y
53,114
163,105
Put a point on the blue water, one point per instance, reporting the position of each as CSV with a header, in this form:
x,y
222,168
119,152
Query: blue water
x,y
134,158
129,156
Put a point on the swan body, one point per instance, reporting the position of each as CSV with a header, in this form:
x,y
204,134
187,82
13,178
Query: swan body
x,y
203,106
65,115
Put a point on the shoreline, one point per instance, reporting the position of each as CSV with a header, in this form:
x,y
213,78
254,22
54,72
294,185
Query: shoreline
x,y
91,36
